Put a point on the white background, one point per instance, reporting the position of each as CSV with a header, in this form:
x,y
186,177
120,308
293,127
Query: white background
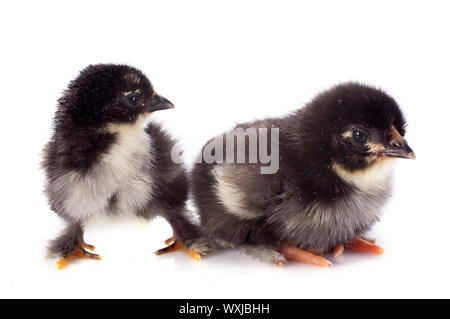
x,y
223,63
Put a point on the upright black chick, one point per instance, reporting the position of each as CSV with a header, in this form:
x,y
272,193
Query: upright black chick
x,y
335,160
104,159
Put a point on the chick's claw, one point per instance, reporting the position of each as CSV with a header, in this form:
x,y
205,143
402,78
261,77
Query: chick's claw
x,y
338,250
62,263
170,240
87,246
194,254
172,247
366,246
177,245
298,254
76,253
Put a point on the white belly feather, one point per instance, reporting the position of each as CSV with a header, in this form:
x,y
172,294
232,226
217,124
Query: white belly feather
x,y
123,173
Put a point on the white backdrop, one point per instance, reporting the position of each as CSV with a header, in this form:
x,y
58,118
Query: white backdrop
x,y
222,63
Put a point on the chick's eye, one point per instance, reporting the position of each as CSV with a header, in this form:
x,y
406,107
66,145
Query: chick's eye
x,y
359,136
132,98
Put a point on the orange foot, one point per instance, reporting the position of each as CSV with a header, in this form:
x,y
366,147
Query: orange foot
x,y
170,240
176,245
298,254
338,250
367,246
79,252
87,246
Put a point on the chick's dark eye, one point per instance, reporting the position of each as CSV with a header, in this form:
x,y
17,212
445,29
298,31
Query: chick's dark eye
x,y
360,136
132,98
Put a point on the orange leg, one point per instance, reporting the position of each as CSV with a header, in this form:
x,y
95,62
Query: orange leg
x,y
177,245
77,253
366,246
298,254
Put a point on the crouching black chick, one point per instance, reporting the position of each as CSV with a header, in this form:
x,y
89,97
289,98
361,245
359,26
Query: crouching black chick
x,y
335,159
104,159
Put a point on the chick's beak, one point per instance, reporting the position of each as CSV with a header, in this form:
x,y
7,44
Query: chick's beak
x,y
158,103
398,147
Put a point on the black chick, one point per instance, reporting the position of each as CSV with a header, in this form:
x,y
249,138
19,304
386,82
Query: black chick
x,y
335,160
104,159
